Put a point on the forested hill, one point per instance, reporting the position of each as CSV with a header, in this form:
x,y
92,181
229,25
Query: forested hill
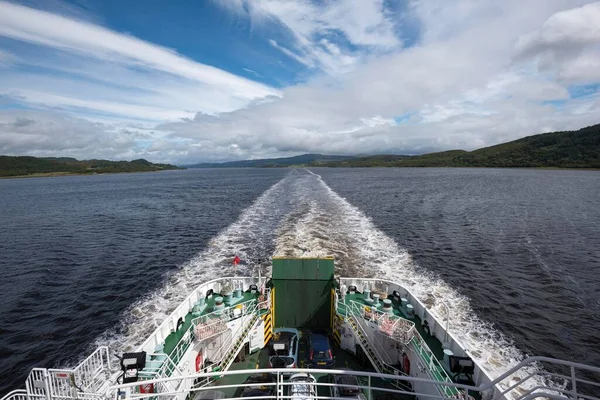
x,y
34,166
304,159
575,149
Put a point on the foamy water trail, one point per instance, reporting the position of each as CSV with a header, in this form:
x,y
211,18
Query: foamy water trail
x,y
251,237
328,225
302,216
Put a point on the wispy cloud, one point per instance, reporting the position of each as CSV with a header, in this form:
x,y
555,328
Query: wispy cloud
x,y
331,36
475,74
462,87
567,44
80,66
43,28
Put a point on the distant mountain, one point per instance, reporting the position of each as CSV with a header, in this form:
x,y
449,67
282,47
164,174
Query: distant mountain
x,y
304,159
571,149
34,166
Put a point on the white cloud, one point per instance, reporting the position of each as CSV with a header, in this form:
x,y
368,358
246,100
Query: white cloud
x,y
367,26
99,54
465,90
568,44
38,133
56,31
480,73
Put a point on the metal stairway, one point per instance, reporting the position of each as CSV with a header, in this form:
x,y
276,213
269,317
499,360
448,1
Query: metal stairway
x,y
238,343
229,350
364,343
376,360
432,365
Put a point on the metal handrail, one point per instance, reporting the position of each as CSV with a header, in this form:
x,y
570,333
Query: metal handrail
x,y
236,344
466,388
356,311
378,316
182,345
19,394
379,352
432,358
435,317
245,312
194,294
224,312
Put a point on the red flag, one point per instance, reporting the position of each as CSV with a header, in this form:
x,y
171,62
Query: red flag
x,y
236,260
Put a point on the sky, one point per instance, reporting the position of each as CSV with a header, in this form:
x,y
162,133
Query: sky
x,y
209,81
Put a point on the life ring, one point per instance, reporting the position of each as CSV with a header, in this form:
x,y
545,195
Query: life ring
x,y
406,364
199,361
147,388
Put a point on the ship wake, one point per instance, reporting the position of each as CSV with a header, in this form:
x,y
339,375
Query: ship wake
x,y
301,216
325,224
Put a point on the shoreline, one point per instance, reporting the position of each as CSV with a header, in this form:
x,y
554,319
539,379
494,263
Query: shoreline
x,y
57,174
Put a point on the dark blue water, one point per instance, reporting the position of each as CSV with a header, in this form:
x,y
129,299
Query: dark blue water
x,y
76,252
522,245
102,259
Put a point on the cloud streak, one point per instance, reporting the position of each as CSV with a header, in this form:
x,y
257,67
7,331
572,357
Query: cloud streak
x,y
474,74
43,28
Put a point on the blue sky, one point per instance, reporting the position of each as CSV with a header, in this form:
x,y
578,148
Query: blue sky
x,y
191,81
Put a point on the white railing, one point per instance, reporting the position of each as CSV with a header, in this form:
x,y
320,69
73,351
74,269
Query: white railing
x,y
240,334
20,394
37,384
238,342
170,323
82,382
379,358
206,329
399,329
458,390
88,372
227,314
182,346
380,353
430,363
222,317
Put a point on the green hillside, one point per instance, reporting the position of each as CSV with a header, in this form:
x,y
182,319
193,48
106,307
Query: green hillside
x,y
576,149
304,159
28,166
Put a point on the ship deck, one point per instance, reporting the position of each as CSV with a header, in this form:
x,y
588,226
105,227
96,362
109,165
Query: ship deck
x,y
260,359
174,338
343,359
434,343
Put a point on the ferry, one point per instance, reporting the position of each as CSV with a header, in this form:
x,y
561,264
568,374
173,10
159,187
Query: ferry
x,y
304,333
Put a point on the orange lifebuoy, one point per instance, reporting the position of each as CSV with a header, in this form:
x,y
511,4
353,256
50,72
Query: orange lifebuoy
x,y
199,362
147,388
406,364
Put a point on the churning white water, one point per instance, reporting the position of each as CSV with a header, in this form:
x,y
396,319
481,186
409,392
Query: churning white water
x,y
301,216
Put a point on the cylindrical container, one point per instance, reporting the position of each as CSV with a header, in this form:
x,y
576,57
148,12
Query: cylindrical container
x,y
387,306
219,306
227,297
375,299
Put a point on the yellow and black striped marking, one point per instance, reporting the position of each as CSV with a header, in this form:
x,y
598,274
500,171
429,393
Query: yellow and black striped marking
x,y
337,324
268,318
268,326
